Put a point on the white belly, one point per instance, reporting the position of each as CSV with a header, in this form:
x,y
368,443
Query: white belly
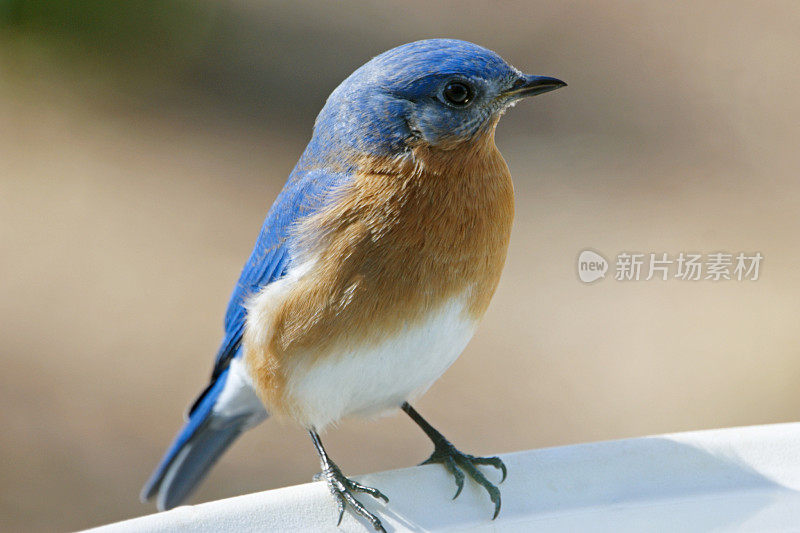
x,y
368,380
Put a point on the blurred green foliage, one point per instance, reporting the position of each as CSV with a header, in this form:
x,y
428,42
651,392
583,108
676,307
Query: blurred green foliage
x,y
244,58
148,33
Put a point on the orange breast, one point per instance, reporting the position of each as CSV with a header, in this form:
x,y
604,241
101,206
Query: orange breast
x,y
406,236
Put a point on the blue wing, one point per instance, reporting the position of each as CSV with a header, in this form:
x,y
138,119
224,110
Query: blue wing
x,y
303,194
206,433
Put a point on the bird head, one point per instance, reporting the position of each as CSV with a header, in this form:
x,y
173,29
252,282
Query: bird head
x,y
439,92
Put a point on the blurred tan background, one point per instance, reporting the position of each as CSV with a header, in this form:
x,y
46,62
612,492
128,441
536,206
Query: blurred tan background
x,y
141,144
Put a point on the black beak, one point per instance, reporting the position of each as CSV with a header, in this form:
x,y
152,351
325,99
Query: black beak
x,y
532,85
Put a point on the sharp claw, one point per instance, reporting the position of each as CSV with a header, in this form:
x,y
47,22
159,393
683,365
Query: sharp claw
x,y
342,488
340,502
340,506
492,461
494,495
362,511
459,464
379,494
460,485
457,474
468,464
375,493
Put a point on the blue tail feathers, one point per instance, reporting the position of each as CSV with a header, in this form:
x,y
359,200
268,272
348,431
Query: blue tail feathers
x,y
198,445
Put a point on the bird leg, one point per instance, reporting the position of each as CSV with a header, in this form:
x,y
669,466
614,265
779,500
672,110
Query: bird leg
x,y
343,488
458,463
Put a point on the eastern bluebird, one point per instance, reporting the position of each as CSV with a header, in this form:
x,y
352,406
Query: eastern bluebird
x,y
373,266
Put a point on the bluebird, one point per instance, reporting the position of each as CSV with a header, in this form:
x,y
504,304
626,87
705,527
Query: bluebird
x,y
373,266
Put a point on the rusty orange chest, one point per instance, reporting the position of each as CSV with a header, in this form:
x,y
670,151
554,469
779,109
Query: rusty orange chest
x,y
401,240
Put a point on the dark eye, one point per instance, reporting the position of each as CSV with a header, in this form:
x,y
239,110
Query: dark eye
x,y
457,93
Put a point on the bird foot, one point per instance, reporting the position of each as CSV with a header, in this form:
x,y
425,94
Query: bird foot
x,y
458,463
343,488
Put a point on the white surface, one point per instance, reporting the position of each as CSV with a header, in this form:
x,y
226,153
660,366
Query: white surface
x,y
740,479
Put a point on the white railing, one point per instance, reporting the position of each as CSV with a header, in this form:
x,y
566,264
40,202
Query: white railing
x,y
739,479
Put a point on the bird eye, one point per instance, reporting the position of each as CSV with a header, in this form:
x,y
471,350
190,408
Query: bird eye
x,y
457,93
